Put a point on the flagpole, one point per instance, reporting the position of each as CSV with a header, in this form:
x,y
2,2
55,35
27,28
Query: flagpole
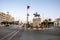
x,y
26,20
27,16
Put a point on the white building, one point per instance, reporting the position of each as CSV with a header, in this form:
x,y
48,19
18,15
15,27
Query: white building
x,y
57,22
5,17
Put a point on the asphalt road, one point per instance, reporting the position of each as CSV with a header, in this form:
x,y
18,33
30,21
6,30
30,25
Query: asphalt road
x,y
40,35
15,33
8,33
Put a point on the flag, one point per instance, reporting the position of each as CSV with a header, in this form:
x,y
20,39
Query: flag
x,y
28,7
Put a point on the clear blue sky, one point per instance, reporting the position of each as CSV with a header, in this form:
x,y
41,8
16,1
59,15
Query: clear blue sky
x,y
17,8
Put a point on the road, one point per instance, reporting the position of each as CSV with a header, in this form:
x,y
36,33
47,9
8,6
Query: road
x,y
7,33
15,33
40,35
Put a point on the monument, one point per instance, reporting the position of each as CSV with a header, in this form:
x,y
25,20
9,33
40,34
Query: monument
x,y
36,20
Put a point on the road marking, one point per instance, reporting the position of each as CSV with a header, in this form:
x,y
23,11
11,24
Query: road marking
x,y
7,35
13,35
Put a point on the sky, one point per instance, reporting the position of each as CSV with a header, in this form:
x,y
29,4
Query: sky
x,y
18,8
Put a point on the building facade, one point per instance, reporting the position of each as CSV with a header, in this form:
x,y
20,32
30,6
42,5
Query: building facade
x,y
5,17
57,22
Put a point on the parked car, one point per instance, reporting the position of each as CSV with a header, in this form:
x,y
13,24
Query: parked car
x,y
6,25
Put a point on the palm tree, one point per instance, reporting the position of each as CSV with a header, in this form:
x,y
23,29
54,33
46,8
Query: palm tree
x,y
50,23
46,22
49,19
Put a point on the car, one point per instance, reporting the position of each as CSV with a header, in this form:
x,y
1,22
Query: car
x,y
6,25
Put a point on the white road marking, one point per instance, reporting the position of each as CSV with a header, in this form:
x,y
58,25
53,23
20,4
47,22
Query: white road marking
x,y
13,35
7,35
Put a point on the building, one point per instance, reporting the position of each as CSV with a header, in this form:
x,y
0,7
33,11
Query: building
x,y
5,17
57,22
16,22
